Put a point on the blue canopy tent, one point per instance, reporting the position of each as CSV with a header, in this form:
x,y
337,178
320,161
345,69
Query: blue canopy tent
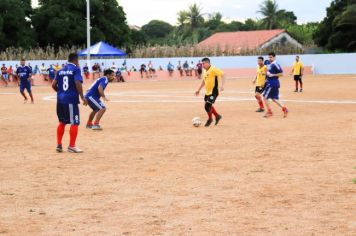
x,y
102,49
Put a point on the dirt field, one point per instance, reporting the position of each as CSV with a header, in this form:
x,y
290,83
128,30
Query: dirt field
x,y
150,172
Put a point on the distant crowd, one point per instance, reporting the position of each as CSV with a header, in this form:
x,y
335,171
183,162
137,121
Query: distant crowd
x,y
48,73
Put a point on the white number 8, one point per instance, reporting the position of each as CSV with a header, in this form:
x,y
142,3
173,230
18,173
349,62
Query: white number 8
x,y
65,83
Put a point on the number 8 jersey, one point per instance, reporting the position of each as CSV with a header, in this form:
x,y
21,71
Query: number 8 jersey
x,y
67,92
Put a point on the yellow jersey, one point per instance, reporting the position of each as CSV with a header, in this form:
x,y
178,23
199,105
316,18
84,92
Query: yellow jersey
x,y
297,68
211,78
261,76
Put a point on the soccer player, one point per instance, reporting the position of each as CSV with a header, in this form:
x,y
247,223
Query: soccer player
x,y
51,73
274,71
213,80
259,81
24,74
93,95
68,85
297,71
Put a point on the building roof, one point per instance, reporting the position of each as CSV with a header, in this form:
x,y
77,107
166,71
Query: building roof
x,y
241,39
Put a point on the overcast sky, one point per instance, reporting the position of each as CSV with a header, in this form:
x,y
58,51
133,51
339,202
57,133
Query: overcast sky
x,y
140,12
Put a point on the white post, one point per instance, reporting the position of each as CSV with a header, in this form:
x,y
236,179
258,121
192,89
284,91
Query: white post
x,y
88,34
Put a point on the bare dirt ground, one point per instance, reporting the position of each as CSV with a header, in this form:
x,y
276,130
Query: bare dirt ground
x,y
150,172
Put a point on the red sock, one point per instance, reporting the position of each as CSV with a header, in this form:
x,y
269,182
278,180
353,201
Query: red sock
x,y
96,123
260,102
60,132
214,111
73,132
210,114
90,122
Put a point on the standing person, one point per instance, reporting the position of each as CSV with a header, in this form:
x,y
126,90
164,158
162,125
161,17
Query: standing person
x,y
274,71
199,69
24,74
43,71
93,95
68,85
4,74
10,72
180,69
259,81
170,68
51,73
298,71
214,81
86,71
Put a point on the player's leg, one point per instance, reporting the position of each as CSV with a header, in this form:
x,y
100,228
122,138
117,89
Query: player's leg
x,y
258,96
90,119
301,84
73,131
22,91
98,117
296,83
281,105
266,96
99,108
207,108
28,88
61,114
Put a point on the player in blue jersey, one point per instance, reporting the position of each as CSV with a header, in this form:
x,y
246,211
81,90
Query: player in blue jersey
x,y
24,74
51,73
274,71
68,85
93,95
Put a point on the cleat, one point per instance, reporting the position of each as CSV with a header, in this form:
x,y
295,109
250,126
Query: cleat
x,y
217,119
59,148
74,150
268,114
296,91
301,90
285,112
96,127
89,126
208,123
260,110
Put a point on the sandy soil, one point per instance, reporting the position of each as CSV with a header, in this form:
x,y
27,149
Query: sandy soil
x,y
150,172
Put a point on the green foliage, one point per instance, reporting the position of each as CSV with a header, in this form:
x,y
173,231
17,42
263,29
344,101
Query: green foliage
x,y
15,27
65,24
156,30
337,32
275,18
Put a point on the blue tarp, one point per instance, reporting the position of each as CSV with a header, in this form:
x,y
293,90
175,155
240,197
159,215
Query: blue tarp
x,y
102,49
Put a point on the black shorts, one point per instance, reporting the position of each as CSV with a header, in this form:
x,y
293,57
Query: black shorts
x,y
68,113
298,78
259,89
211,98
200,71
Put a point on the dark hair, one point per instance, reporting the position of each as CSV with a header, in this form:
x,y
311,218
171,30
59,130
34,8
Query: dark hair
x,y
72,57
272,54
261,58
205,59
108,72
23,59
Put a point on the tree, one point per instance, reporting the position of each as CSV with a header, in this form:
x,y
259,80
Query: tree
x,y
61,24
195,16
215,21
15,26
157,29
338,30
269,9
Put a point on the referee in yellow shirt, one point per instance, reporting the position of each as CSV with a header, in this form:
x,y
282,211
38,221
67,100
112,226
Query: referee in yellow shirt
x,y
213,80
297,71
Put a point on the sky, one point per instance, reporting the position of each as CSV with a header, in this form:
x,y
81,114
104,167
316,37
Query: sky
x,y
140,12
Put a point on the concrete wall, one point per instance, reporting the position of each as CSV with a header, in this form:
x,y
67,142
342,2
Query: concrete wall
x,y
320,63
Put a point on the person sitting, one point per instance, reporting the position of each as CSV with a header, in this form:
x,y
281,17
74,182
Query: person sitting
x,y
186,68
119,76
180,69
170,69
143,70
151,70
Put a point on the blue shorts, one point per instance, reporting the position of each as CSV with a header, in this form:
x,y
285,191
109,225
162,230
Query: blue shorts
x,y
25,85
271,92
68,113
95,103
6,77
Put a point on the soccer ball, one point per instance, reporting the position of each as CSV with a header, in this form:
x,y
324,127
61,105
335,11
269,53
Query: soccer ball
x,y
196,121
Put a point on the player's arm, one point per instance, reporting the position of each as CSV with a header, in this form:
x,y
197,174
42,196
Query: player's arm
x,y
223,79
200,87
292,71
254,80
55,85
101,92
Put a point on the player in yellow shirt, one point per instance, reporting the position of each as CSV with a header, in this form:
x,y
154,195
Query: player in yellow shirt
x,y
213,80
298,71
259,81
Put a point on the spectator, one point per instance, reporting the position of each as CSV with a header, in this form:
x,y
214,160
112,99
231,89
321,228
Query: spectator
x,y
191,68
186,68
51,73
119,76
133,69
113,67
4,74
199,69
36,70
170,68
180,69
96,71
43,71
143,70
160,68
57,67
10,72
86,71
151,70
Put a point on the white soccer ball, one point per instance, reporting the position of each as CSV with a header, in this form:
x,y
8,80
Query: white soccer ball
x,y
196,121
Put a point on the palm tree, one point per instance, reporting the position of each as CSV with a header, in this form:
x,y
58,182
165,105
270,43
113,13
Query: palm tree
x,y
195,16
269,9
